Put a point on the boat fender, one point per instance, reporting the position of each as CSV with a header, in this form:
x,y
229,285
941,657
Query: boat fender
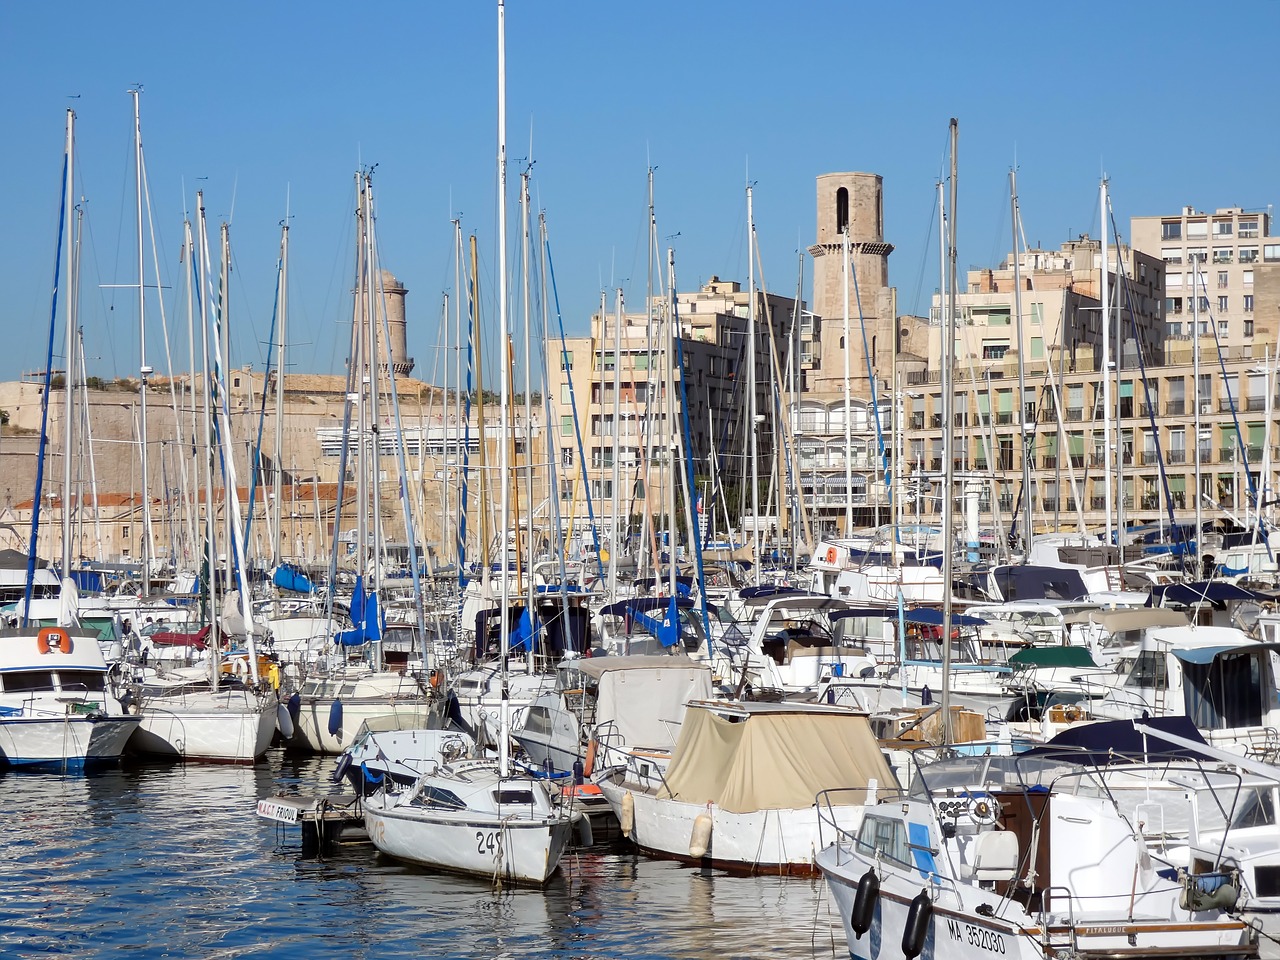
x,y
916,929
340,771
586,836
53,640
579,773
294,705
589,766
864,903
700,838
284,722
335,718
627,815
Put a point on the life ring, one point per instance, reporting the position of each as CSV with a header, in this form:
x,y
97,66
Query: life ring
x,y
53,640
589,762
831,554
434,679
240,668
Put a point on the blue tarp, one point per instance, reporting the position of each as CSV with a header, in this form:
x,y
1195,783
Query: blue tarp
x,y
933,618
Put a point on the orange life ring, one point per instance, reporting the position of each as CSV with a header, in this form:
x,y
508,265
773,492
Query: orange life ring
x,y
53,640
434,679
831,554
589,765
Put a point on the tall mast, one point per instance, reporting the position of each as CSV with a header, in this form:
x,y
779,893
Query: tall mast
x,y
617,436
504,757
200,265
1106,368
751,388
69,378
144,370
278,456
848,399
1028,429
948,458
1195,401
528,397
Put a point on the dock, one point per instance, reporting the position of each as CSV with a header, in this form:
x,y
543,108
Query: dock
x,y
326,821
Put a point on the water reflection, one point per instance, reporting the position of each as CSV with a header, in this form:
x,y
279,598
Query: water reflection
x,y
171,860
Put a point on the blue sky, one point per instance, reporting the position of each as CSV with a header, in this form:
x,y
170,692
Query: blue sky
x,y
256,103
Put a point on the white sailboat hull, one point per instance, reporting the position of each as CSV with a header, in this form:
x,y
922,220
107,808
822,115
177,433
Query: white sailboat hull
x,y
507,848
220,728
311,726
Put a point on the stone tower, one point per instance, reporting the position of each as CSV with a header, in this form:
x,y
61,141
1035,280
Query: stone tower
x,y
393,294
852,202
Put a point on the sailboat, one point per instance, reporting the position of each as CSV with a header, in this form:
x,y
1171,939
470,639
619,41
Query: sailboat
x,y
57,710
478,817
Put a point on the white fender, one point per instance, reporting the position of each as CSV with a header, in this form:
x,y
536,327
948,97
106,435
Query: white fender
x,y
700,838
627,815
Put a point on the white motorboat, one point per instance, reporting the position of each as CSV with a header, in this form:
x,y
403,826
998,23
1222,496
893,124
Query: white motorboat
x,y
737,791
1018,858
328,711
390,747
57,709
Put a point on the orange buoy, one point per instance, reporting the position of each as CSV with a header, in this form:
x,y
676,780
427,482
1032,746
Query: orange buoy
x,y
53,640
831,554
589,763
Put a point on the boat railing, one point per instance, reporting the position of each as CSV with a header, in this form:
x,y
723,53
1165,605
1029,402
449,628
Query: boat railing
x,y
1046,917
828,800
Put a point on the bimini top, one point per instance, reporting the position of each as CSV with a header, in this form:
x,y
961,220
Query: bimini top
x,y
778,757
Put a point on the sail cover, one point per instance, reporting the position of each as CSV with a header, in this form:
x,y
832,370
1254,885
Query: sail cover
x,y
772,759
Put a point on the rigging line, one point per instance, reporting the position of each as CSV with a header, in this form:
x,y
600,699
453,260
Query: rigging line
x,y
1126,289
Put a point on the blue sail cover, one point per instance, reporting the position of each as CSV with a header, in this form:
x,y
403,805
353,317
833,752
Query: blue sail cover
x,y
521,639
356,635
289,577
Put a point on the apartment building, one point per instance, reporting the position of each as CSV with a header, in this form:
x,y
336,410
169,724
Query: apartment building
x,y
1211,263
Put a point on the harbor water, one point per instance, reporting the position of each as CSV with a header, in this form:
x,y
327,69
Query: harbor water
x,y
172,861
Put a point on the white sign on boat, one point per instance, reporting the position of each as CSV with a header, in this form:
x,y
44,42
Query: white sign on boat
x,y
276,809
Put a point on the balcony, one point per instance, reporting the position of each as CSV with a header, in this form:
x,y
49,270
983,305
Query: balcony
x,y
1097,503
935,421
980,463
917,421
935,463
1075,414
1049,503
1006,501
1175,408
1077,460
1226,405
1150,457
1228,455
1256,403
1050,462
1204,455
1174,457
1004,419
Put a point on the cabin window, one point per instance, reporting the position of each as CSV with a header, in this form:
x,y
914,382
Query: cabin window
x,y
883,837
439,797
27,680
1149,672
89,681
1257,809
538,721
522,797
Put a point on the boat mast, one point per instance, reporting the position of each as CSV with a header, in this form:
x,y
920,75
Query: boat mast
x,y
1028,429
1195,401
948,460
69,378
617,436
504,748
848,399
200,265
751,388
277,482
144,370
1106,367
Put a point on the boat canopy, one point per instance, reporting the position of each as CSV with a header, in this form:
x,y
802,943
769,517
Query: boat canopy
x,y
1122,621
1206,591
933,618
772,760
1060,656
641,700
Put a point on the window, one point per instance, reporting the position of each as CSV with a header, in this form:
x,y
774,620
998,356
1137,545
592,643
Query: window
x,y
994,350
1248,303
1197,229
1222,279
1222,305
1173,329
1248,254
1222,254
566,360
1222,328
1248,229
1222,228
1247,276
1204,304
566,426
1037,313
124,531
1171,254
1171,230
566,393
1173,280
566,456
1173,305
1197,254
1271,253
1037,348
